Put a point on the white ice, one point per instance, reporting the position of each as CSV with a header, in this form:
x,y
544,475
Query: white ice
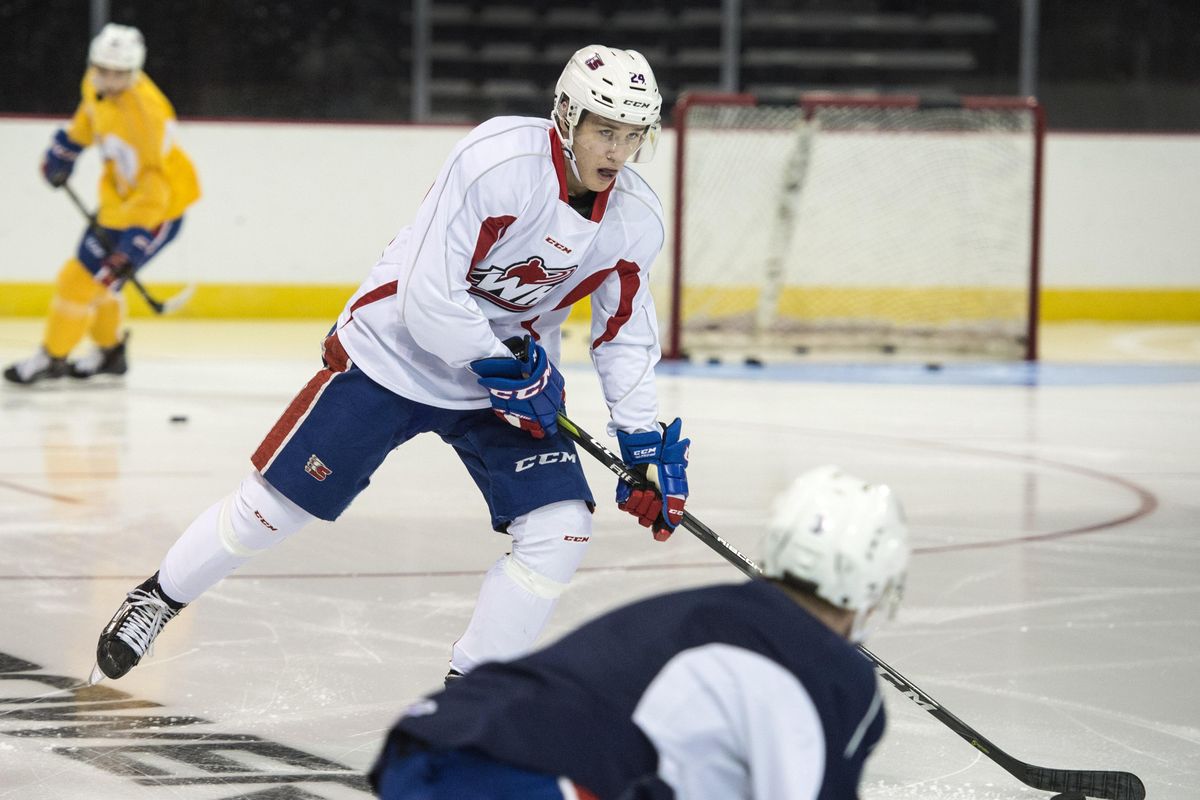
x,y
1053,602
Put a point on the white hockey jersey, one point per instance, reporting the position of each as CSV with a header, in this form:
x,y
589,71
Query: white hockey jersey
x,y
496,251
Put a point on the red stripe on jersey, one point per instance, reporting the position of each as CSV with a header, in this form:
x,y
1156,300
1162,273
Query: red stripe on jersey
x,y
292,415
378,293
528,325
601,202
585,287
560,169
333,354
630,281
490,232
560,166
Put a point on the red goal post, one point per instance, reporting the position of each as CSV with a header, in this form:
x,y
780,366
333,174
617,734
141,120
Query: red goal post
x,y
856,224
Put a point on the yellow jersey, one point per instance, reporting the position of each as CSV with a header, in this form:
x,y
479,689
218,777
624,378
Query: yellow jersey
x,y
148,179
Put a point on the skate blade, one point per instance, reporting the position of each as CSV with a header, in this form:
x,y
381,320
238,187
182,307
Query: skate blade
x,y
96,676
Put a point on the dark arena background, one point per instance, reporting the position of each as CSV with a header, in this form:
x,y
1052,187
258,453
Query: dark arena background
x,y
950,246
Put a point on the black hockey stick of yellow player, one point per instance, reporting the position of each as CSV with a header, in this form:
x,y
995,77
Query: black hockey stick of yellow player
x,y
164,307
1073,784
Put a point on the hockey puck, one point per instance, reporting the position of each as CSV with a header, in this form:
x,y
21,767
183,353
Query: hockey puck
x,y
888,348
933,366
713,361
179,418
752,361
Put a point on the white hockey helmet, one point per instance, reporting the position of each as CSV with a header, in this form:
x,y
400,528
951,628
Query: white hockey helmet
x,y
118,47
844,539
615,84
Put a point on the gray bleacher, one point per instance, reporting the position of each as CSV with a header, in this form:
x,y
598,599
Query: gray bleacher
x,y
489,59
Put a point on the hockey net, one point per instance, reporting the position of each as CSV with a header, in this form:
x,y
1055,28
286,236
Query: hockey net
x,y
856,225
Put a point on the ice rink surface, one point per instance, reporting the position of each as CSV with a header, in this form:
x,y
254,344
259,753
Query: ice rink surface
x,y
1053,601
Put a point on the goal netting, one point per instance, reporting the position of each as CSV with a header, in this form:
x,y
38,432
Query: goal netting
x,y
856,225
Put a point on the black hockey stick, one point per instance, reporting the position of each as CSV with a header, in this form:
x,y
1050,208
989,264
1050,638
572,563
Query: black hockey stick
x,y
1071,782
165,307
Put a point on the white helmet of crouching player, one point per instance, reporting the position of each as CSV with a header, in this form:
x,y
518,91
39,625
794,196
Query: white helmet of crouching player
x,y
118,47
615,84
842,539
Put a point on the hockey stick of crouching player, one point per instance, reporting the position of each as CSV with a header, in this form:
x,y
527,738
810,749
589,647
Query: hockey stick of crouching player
x,y
1071,784
168,306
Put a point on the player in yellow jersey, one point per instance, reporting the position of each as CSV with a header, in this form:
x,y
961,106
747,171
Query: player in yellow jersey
x,y
147,183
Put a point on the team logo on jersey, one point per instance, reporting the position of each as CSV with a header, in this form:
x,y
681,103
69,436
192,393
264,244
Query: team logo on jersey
x,y
316,467
519,286
594,62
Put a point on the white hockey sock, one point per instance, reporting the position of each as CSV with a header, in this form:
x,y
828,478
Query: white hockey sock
x,y
252,518
520,590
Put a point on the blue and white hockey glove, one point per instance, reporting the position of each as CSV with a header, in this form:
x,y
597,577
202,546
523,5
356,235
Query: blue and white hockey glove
x,y
527,390
129,254
669,455
60,159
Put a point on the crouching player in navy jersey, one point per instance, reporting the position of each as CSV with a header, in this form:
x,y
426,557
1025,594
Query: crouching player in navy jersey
x,y
458,324
751,690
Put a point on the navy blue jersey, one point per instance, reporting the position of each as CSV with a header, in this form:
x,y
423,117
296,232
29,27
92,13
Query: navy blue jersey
x,y
725,691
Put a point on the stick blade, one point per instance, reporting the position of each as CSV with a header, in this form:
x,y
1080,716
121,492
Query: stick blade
x,y
1097,784
173,304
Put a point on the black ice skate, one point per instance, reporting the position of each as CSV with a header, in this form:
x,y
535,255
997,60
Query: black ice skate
x,y
130,634
39,366
104,361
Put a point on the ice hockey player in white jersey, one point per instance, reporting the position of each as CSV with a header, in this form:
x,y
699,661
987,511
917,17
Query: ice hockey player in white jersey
x,y
458,324
727,692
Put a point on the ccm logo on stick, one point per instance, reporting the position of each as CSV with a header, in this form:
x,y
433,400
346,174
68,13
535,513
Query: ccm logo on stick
x,y
544,458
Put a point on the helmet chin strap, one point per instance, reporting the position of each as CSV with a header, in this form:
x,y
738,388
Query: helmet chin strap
x,y
571,163
568,146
